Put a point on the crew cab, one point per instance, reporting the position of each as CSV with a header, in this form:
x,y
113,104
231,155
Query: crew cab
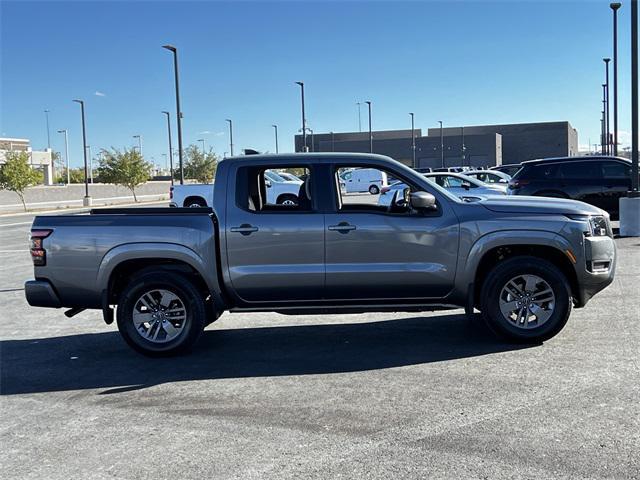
x,y
165,274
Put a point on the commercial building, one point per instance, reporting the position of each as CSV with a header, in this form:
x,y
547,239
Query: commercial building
x,y
38,159
478,146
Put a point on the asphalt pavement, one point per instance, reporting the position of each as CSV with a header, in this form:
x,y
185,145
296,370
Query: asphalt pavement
x,y
339,396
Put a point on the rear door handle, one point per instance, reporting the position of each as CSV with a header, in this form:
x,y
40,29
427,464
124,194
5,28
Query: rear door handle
x,y
342,227
244,229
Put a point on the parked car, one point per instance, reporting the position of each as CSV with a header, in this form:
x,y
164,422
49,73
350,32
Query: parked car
x,y
279,191
460,185
599,181
523,262
364,180
491,177
290,177
509,169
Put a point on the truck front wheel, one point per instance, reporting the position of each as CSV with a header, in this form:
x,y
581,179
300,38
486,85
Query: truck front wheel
x,y
526,299
161,313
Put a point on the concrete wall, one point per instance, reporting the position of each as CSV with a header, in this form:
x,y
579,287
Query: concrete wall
x,y
525,141
52,197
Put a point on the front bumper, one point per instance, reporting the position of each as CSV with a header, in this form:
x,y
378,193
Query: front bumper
x,y
40,293
599,269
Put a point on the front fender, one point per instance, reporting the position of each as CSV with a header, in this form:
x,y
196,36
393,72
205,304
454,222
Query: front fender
x,y
206,267
470,261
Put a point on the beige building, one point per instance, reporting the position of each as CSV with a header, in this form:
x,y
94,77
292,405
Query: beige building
x,y
42,160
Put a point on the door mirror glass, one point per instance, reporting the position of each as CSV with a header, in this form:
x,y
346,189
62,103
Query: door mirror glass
x,y
465,185
422,201
267,183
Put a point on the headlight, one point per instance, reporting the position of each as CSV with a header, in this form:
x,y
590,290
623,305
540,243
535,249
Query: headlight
x,y
599,226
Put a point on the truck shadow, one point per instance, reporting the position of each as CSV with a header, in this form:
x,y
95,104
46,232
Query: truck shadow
x,y
102,360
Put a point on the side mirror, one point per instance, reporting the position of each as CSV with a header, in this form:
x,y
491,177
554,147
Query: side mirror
x,y
422,201
267,183
466,185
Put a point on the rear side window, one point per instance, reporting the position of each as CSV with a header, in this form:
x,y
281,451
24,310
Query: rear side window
x,y
580,170
615,170
260,189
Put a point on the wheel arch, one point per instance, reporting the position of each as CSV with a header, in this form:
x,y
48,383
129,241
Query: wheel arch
x,y
195,198
491,249
124,261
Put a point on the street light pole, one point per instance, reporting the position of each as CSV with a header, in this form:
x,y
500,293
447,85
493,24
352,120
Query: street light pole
x,y
359,117
66,153
441,145
604,120
203,151
462,148
634,100
170,146
139,143
173,49
90,164
46,114
606,63
370,131
413,142
304,119
87,198
614,7
230,136
275,129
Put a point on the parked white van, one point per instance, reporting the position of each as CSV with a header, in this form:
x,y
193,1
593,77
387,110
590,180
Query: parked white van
x,y
364,180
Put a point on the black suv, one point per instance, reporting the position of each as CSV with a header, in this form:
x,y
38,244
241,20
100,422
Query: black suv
x,y
600,181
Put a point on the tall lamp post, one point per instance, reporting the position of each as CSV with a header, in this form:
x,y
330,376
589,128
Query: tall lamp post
x,y
462,148
608,125
66,153
139,138
170,146
275,130
87,199
604,120
230,136
614,7
370,131
441,145
413,141
203,143
46,114
304,119
173,49
359,117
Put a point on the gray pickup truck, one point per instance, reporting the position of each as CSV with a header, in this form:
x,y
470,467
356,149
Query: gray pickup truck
x,y
523,262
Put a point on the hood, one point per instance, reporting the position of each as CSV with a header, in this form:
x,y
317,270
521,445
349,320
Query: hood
x,y
539,205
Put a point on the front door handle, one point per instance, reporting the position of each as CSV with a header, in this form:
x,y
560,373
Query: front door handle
x,y
343,227
244,229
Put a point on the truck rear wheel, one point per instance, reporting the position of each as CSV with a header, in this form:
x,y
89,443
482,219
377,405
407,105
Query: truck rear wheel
x,y
526,299
161,313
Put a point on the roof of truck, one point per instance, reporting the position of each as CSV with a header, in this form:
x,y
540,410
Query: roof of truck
x,y
306,157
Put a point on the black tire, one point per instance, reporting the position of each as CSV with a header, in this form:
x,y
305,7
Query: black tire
x,y
287,197
374,190
188,294
525,265
195,202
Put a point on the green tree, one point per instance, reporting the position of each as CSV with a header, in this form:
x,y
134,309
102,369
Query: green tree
x,y
198,165
16,174
127,168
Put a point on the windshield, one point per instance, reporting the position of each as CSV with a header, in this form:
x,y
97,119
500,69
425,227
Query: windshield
x,y
274,177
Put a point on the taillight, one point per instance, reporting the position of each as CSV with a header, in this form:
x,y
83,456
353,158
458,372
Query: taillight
x,y
171,193
384,190
38,253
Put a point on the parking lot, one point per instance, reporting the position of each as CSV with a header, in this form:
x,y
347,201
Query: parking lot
x,y
354,396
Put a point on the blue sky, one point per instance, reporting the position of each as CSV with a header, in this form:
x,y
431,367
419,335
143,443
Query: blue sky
x,y
463,62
